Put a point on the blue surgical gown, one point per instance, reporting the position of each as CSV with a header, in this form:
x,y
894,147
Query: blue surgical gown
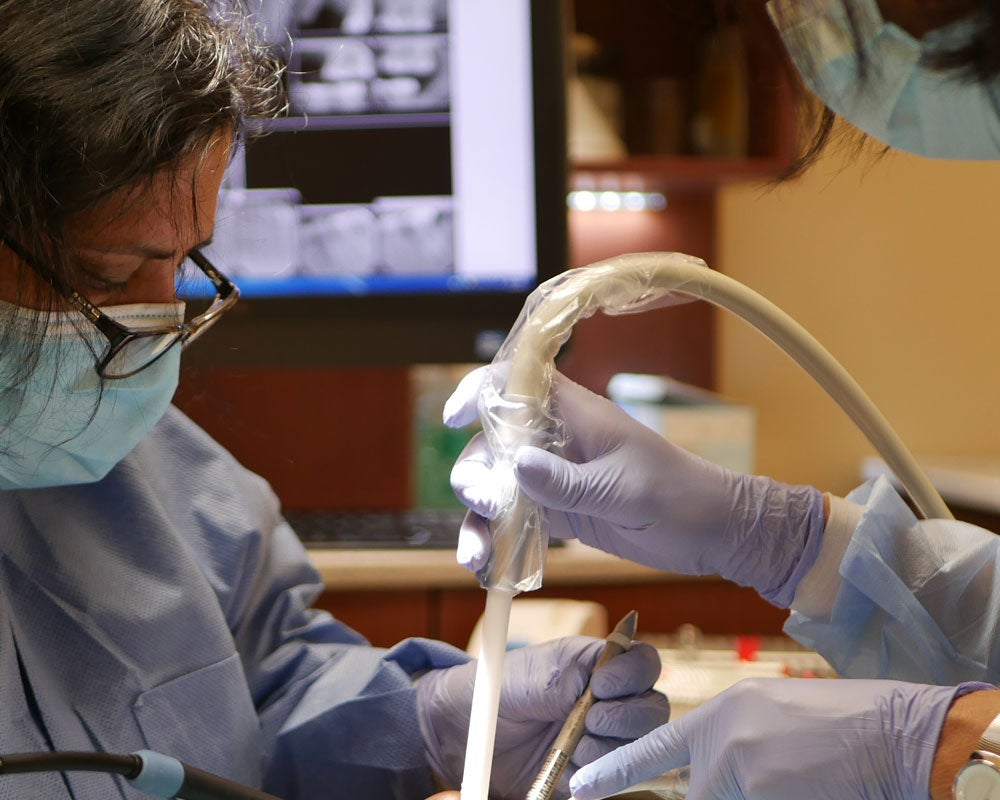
x,y
918,600
167,607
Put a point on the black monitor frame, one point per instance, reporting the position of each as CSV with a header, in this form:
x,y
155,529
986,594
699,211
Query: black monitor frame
x,y
385,330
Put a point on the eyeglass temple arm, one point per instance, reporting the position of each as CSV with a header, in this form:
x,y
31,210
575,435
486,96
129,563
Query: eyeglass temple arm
x,y
111,329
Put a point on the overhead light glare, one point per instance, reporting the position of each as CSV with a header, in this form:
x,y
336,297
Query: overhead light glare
x,y
608,200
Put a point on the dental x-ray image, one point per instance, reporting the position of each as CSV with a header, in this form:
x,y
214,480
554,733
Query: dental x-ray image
x,y
369,74
269,234
372,16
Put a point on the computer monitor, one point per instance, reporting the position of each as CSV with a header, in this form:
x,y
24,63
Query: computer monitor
x,y
413,195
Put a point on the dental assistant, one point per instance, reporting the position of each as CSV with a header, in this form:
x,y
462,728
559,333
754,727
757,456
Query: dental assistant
x,y
907,610
151,595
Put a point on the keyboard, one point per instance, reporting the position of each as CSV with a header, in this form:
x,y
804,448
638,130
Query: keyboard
x,y
358,530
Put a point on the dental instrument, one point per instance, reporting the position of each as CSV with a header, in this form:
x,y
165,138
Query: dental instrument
x,y
617,642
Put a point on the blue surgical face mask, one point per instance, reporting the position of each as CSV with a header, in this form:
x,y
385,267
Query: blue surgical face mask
x,y
901,101
61,426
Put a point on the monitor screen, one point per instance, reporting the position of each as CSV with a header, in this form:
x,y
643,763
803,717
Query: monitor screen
x,y
413,195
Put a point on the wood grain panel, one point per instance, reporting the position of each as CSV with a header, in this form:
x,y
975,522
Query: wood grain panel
x,y
324,438
384,618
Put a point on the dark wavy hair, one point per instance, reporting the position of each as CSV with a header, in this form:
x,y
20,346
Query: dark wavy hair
x,y
100,95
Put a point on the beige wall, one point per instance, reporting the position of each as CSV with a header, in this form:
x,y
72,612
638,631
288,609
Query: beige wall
x,y
893,264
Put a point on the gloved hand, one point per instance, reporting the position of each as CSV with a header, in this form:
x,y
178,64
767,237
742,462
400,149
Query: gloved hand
x,y
620,487
786,739
540,685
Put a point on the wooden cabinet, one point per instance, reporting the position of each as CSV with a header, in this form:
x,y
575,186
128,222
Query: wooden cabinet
x,y
299,427
657,59
698,91
386,617
398,595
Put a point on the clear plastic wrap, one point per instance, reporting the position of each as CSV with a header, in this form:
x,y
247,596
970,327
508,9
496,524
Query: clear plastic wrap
x,y
515,407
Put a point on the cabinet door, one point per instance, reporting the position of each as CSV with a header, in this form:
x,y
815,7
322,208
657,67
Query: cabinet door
x,y
714,606
384,618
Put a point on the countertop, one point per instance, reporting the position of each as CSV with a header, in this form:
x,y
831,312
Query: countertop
x,y
574,563
970,481
973,482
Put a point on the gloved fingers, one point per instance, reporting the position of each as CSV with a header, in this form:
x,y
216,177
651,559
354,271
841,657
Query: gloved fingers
x,y
631,672
591,748
474,481
553,481
543,681
663,749
592,489
474,542
561,526
562,787
593,420
462,407
629,718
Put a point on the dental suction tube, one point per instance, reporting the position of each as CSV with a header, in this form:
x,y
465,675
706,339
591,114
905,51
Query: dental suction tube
x,y
515,406
515,409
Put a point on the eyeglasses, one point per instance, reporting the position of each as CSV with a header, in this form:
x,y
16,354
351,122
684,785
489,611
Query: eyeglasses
x,y
131,350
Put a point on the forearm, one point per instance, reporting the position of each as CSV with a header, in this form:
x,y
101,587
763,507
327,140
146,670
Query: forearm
x,y
967,719
890,596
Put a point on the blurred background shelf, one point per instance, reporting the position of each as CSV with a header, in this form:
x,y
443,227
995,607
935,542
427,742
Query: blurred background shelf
x,y
699,105
669,173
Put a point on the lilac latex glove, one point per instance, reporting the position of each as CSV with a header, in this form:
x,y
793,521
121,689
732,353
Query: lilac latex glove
x,y
540,685
620,487
785,739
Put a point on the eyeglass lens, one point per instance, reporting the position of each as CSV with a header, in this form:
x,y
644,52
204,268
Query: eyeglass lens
x,y
199,296
139,353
